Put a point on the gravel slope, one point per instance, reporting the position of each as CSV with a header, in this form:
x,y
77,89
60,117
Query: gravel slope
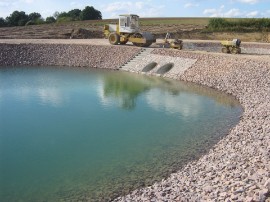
x,y
78,55
238,167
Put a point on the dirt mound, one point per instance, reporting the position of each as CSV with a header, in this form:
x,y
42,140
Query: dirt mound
x,y
53,31
86,34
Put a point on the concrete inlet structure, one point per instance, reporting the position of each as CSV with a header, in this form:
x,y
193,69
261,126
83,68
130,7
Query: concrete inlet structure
x,y
139,64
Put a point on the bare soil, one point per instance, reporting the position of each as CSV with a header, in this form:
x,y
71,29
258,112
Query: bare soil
x,y
182,28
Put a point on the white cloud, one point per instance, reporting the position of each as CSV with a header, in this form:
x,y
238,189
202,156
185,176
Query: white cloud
x,y
263,14
4,4
214,12
233,13
211,11
189,5
252,14
7,7
219,12
75,5
249,1
119,6
27,1
143,9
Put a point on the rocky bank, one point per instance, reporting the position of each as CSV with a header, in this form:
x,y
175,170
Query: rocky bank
x,y
105,57
238,167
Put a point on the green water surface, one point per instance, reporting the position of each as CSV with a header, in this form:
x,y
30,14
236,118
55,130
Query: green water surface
x,y
70,134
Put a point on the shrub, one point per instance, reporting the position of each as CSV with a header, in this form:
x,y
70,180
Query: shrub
x,y
221,24
217,23
30,22
35,22
64,19
3,23
50,19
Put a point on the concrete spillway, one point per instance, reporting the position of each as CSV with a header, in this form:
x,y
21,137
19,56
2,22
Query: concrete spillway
x,y
147,63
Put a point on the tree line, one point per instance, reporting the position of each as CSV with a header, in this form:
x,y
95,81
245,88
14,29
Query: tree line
x,y
20,18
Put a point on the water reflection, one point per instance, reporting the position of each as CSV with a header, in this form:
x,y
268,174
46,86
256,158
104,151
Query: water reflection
x,y
114,88
44,87
160,93
125,89
183,103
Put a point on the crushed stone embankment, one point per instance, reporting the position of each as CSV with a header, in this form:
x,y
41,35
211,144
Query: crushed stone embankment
x,y
238,167
108,57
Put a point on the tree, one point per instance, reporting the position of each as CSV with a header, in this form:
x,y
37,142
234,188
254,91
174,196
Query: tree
x,y
34,16
90,13
63,14
34,19
50,19
17,18
75,14
3,23
56,14
63,17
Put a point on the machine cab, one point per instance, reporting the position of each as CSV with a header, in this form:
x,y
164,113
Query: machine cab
x,y
129,23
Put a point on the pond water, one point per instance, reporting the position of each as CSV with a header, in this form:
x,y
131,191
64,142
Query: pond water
x,y
91,135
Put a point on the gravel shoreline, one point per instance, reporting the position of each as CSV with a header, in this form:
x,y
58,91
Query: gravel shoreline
x,y
235,169
238,167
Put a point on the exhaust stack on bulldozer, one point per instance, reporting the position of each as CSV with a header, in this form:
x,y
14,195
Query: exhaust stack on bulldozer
x,y
127,30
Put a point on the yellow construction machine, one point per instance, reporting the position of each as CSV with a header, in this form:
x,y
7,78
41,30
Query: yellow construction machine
x,y
172,43
128,31
231,46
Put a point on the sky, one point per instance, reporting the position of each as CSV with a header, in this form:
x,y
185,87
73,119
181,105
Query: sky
x,y
145,8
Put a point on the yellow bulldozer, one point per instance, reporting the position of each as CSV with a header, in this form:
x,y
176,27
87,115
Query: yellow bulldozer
x,y
172,43
231,46
128,31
